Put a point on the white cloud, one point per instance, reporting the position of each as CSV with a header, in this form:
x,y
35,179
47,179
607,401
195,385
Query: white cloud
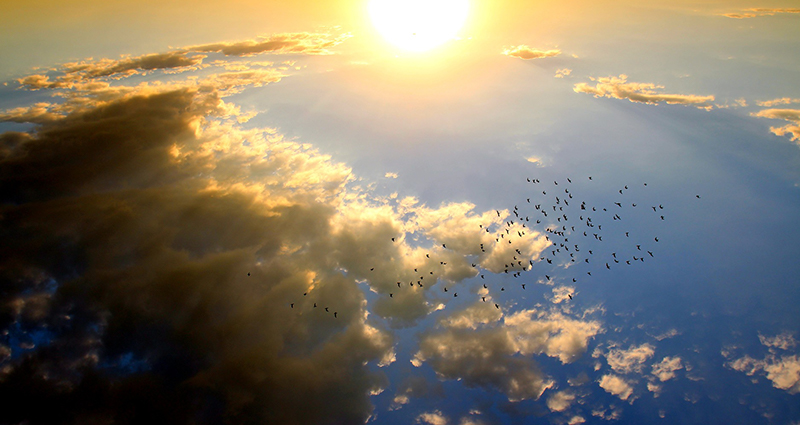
x,y
665,370
499,354
630,360
432,418
617,386
560,401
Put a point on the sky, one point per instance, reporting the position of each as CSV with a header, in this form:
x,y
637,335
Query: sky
x,y
295,212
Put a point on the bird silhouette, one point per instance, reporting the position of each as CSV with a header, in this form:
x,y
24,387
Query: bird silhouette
x,y
248,273
334,314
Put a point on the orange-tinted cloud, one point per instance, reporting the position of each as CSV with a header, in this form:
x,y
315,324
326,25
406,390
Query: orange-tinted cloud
x,y
620,88
297,43
524,52
791,115
761,11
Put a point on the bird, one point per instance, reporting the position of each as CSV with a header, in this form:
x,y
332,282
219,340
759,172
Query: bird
x,y
455,294
656,239
334,314
698,196
292,305
392,239
496,306
315,305
326,308
523,286
590,177
248,273
444,246
484,299
570,296
372,269
651,254
391,295
398,284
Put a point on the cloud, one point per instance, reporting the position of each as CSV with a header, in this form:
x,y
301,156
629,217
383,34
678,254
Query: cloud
x,y
563,72
782,341
665,370
791,115
784,371
432,418
194,266
779,101
415,387
560,401
497,353
754,12
619,88
630,360
562,293
391,175
617,386
187,59
524,52
294,43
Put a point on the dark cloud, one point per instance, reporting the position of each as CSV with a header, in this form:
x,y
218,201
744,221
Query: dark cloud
x,y
159,263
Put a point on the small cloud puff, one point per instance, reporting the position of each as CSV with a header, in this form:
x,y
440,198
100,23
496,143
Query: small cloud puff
x,y
432,418
665,370
524,52
563,72
617,386
390,175
620,88
630,360
560,401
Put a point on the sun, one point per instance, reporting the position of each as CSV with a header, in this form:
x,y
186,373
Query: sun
x,y
418,25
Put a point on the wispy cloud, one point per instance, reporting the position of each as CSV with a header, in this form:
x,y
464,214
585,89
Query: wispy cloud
x,y
778,101
620,88
185,59
524,52
761,11
296,43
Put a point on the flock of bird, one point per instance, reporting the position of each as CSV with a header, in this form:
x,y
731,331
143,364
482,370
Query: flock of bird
x,y
573,231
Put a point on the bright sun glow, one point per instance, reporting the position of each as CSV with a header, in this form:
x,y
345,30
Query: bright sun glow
x,y
418,25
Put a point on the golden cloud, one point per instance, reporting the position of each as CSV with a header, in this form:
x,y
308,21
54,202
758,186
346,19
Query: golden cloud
x,y
524,52
620,88
791,115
